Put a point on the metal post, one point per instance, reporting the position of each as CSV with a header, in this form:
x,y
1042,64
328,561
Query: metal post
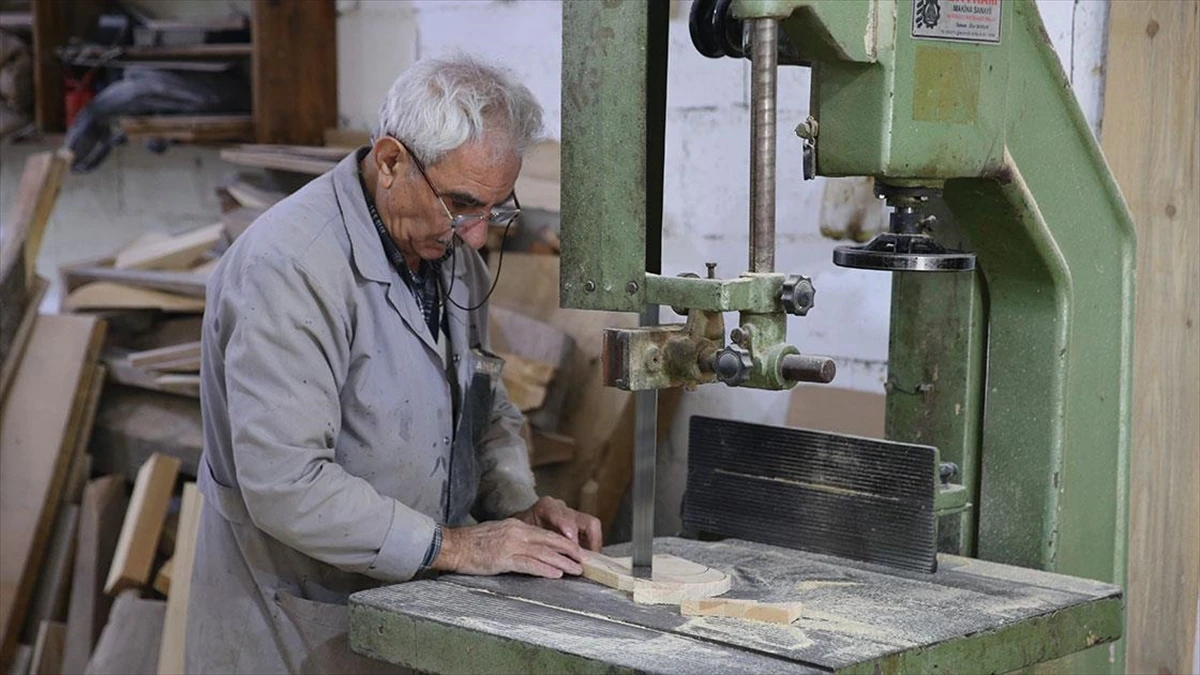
x,y
764,41
645,454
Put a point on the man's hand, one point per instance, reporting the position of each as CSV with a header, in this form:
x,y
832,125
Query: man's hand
x,y
554,514
508,546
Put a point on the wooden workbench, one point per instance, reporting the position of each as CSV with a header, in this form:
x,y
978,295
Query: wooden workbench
x,y
969,616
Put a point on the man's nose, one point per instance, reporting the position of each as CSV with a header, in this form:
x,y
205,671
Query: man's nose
x,y
475,234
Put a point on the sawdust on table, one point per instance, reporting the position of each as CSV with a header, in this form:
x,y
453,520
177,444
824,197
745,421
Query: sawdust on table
x,y
747,633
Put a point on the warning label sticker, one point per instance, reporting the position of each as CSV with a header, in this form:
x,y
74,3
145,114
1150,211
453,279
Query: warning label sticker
x,y
963,20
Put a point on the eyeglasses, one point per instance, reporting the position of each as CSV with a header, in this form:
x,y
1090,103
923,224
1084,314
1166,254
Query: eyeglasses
x,y
499,216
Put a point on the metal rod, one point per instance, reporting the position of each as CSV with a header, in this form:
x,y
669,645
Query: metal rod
x,y
645,454
808,368
764,56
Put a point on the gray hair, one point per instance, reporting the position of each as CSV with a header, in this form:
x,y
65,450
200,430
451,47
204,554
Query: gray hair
x,y
437,105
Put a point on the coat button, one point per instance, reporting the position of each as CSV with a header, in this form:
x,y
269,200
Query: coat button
x,y
446,440
456,358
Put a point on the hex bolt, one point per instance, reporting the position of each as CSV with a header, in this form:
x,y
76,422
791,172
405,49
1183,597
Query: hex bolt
x,y
589,286
737,335
631,287
712,269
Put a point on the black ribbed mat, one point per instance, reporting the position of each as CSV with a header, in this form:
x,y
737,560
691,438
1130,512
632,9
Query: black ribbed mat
x,y
859,498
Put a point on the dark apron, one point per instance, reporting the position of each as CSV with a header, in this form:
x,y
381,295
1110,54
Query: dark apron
x,y
474,417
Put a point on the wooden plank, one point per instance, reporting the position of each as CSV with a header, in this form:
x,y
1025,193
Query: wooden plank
x,y
198,51
143,524
278,160
170,658
54,579
131,638
333,154
154,358
196,24
37,192
35,445
80,472
1151,137
751,610
162,579
100,516
48,650
16,349
175,253
295,81
525,380
81,463
253,196
188,284
673,581
526,337
108,295
347,139
50,31
184,385
190,128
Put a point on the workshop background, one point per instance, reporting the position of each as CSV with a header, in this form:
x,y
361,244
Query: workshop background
x,y
155,198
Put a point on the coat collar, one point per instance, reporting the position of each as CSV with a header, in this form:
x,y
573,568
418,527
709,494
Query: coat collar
x,y
368,254
372,263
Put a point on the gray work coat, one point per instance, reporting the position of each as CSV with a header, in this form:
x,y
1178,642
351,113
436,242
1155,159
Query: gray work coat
x,y
330,444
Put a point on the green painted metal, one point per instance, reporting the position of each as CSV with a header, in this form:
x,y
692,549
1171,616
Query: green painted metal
x,y
1017,645
426,646
766,339
999,127
1027,373
748,293
936,366
822,30
605,125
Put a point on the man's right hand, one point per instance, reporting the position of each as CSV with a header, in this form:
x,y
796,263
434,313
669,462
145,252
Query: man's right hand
x,y
508,545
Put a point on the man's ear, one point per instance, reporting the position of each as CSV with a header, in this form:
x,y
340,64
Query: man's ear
x,y
389,157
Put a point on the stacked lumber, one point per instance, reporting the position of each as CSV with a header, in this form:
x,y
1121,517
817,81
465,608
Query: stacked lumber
x,y
156,271
189,128
21,290
45,422
538,362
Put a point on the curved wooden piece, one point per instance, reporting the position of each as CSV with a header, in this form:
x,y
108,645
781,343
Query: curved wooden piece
x,y
675,579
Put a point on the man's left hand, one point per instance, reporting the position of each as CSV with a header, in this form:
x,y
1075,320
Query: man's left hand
x,y
554,514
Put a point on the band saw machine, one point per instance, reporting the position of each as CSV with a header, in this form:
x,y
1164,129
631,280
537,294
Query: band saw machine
x,y
987,531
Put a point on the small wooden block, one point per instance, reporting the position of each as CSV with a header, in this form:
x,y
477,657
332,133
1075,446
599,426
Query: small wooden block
x,y
170,656
674,579
143,524
162,580
156,359
108,295
771,612
172,253
100,516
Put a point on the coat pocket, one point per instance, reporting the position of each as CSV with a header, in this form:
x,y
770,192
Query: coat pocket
x,y
319,640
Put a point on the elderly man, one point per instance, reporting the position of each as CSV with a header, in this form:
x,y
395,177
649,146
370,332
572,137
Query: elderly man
x,y
355,427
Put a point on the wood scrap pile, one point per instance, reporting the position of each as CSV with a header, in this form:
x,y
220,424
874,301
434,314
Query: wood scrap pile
x,y
64,553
